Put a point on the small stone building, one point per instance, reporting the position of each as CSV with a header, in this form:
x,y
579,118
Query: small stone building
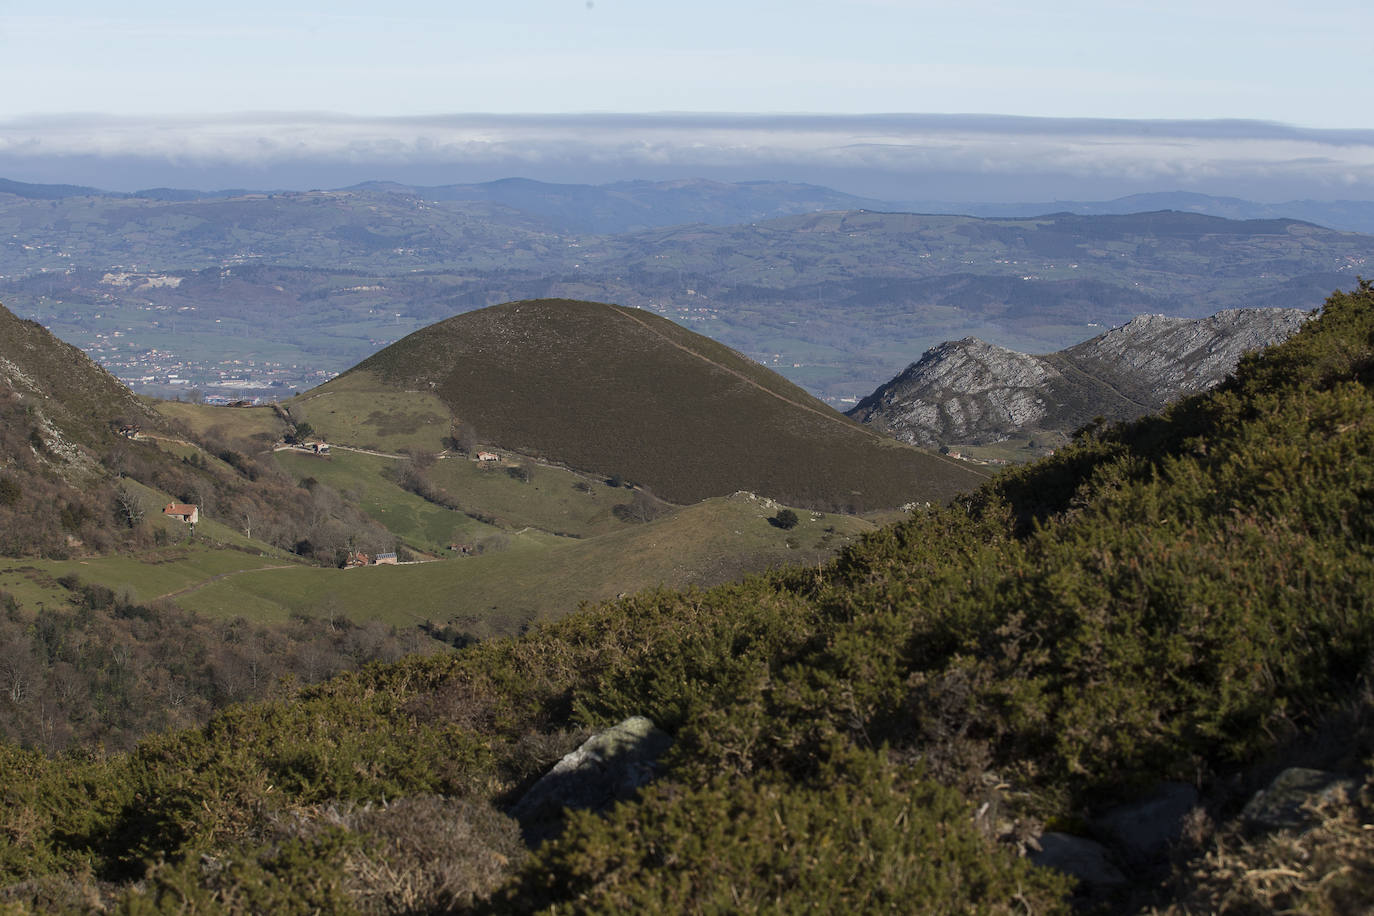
x,y
182,512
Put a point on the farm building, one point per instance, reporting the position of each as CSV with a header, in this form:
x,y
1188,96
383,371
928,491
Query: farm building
x,y
182,512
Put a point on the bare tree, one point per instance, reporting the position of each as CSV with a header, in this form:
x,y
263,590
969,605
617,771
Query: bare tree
x,y
130,505
465,438
246,517
17,670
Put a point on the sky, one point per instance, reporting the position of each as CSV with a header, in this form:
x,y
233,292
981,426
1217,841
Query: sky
x,y
252,89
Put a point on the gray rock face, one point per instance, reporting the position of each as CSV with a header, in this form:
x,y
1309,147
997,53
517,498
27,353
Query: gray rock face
x,y
607,767
1162,358
957,391
1285,803
1082,858
972,392
1145,830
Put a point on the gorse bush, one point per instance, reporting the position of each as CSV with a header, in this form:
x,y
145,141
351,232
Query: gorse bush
x,y
865,836
1169,598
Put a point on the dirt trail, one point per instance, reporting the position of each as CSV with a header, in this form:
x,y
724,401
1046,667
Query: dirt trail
x,y
199,585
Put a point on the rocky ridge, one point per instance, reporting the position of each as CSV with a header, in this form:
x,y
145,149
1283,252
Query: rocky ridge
x,y
973,392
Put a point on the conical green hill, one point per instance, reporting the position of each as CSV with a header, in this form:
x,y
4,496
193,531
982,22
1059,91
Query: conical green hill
x,y
621,391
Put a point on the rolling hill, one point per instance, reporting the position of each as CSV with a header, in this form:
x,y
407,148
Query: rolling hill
x,y
623,392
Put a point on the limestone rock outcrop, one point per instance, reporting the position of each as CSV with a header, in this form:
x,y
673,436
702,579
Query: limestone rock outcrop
x,y
972,392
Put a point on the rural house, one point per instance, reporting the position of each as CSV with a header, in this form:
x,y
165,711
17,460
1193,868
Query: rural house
x,y
182,512
386,559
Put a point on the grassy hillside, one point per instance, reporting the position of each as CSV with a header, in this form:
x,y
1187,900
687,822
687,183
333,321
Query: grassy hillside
x,y
60,416
619,391
64,386
531,576
356,410
1188,597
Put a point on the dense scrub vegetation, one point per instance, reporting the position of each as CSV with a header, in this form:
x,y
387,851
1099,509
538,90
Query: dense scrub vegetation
x,y
110,671
1171,599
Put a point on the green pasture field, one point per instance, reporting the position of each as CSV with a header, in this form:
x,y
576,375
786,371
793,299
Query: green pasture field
x,y
400,595
554,498
538,577
144,578
420,524
356,410
232,422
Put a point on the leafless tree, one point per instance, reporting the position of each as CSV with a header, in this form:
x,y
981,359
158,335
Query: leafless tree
x,y
465,438
130,505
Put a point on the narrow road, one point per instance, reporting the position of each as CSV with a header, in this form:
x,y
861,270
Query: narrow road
x,y
342,448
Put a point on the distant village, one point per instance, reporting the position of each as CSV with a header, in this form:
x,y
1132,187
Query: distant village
x,y
167,375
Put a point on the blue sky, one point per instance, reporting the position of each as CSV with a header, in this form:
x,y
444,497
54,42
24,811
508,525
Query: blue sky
x,y
1305,64
1265,100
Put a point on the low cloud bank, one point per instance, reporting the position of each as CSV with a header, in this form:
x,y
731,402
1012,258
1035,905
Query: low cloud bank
x,y
898,157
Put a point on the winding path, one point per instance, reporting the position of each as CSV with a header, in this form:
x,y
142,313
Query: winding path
x,y
233,572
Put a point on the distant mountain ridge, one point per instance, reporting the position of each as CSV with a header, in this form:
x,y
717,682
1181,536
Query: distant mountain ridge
x,y
628,206
975,393
1348,215
836,300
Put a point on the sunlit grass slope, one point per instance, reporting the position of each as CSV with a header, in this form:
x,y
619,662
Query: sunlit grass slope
x,y
533,576
259,424
354,409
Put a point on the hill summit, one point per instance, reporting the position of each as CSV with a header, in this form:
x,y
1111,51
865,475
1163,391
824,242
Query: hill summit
x,y
621,391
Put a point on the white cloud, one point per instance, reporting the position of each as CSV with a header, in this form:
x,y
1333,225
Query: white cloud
x,y
1176,153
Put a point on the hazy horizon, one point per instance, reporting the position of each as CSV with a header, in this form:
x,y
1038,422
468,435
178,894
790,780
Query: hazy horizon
x,y
894,157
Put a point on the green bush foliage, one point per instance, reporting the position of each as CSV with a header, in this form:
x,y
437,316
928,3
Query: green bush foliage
x,y
865,836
